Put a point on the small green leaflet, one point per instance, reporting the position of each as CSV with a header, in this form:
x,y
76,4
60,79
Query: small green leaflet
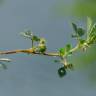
x,y
65,50
92,35
35,38
62,51
28,34
68,47
74,27
79,32
89,24
92,31
57,61
82,41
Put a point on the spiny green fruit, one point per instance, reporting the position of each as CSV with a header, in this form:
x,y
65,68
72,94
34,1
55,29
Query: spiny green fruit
x,y
42,41
42,45
62,71
42,48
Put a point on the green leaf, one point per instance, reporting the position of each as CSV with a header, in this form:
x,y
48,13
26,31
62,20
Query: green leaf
x,y
92,31
68,47
74,36
35,38
62,51
89,24
92,35
81,41
74,27
27,34
80,32
57,61
61,72
92,40
65,50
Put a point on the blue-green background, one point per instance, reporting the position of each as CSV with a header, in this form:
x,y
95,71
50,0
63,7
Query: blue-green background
x,y
29,75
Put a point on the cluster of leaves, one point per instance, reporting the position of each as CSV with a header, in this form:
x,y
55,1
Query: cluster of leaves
x,y
79,32
91,34
41,42
66,51
82,44
39,45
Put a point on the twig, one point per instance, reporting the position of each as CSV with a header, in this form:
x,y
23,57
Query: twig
x,y
31,51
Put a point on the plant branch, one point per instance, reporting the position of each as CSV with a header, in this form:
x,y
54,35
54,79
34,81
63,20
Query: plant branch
x,y
28,51
31,51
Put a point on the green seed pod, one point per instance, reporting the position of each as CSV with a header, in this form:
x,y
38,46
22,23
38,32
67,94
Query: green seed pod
x,y
62,71
42,41
42,46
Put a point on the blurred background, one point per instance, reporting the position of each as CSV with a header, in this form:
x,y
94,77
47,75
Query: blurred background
x,y
37,75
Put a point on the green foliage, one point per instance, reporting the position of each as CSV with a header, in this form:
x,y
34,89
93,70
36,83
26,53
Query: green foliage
x,y
42,46
91,34
57,61
79,32
65,51
82,41
41,42
67,48
35,38
62,52
28,34
74,27
89,24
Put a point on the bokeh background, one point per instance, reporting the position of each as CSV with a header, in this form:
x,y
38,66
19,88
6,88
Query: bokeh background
x,y
29,75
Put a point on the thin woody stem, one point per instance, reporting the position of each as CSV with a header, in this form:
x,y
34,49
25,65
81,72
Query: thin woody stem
x,y
28,51
75,48
31,51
